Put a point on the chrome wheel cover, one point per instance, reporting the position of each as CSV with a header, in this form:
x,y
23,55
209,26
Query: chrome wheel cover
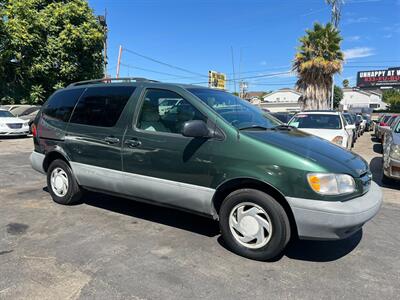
x,y
59,182
250,225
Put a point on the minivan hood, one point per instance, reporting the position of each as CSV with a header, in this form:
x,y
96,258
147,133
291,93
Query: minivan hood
x,y
331,157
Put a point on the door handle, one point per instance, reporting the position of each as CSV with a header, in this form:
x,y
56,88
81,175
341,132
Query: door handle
x,y
132,143
111,140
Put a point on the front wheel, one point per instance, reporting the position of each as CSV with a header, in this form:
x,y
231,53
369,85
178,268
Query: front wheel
x,y
62,184
254,225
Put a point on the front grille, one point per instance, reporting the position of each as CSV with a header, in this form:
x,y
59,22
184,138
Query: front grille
x,y
15,125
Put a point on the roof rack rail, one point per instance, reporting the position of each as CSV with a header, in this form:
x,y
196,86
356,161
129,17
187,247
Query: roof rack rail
x,y
110,80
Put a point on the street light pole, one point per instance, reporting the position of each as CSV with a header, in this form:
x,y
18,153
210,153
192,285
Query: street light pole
x,y
333,90
119,60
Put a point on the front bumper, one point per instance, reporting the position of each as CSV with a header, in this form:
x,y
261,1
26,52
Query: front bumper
x,y
391,168
14,132
327,220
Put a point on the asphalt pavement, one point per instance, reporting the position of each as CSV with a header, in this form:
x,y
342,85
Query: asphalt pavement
x,y
112,248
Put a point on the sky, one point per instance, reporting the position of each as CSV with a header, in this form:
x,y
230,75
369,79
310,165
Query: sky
x,y
252,37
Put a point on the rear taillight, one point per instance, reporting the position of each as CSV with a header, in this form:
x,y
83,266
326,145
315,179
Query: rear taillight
x,y
34,130
382,124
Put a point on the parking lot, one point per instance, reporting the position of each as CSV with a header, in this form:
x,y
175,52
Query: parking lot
x,y
109,247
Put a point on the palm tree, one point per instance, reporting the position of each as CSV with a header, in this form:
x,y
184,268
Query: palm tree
x,y
346,83
336,11
318,58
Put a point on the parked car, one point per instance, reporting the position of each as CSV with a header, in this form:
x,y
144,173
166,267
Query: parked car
x,y
350,120
382,122
8,107
30,115
368,122
284,117
357,124
215,155
12,126
385,129
329,125
363,124
166,104
391,153
21,110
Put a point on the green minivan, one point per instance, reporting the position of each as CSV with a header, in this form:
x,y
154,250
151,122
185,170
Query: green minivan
x,y
209,153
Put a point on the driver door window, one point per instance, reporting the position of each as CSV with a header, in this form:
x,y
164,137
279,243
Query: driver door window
x,y
166,111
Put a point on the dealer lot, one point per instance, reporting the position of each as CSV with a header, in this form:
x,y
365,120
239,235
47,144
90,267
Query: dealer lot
x,y
109,247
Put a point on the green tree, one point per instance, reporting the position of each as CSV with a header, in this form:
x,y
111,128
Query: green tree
x,y
392,97
261,97
337,96
49,43
346,83
318,58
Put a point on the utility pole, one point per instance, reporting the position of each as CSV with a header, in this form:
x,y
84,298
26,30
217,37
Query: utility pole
x,y
233,67
119,60
241,90
103,23
335,18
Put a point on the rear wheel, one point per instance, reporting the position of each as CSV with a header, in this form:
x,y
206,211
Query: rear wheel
x,y
254,224
62,184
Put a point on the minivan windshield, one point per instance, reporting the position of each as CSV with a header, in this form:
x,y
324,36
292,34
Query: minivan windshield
x,y
234,110
5,114
317,121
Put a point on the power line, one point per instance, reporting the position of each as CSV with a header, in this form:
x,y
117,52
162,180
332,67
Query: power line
x,y
252,77
148,70
163,63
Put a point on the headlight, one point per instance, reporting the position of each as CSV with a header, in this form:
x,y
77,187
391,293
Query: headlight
x,y
395,151
338,140
331,184
2,125
25,124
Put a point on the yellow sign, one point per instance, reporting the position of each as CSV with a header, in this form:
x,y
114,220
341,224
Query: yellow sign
x,y
216,80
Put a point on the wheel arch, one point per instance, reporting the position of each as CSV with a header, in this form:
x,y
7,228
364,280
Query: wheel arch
x,y
227,187
53,155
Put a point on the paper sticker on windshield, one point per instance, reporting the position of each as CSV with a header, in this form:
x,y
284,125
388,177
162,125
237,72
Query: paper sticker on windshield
x,y
294,124
301,116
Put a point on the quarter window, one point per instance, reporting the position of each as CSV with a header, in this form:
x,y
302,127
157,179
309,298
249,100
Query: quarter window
x,y
166,111
61,104
101,106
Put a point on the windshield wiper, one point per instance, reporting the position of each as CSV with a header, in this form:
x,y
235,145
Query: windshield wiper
x,y
256,127
284,127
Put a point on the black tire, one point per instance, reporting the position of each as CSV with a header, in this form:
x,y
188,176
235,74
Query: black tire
x,y
279,221
74,192
387,180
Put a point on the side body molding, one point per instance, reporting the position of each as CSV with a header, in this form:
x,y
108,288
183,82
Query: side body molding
x,y
150,189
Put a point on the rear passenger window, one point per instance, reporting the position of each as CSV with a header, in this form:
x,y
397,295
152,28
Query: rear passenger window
x,y
101,106
61,104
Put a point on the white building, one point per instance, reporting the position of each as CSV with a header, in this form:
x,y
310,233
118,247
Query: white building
x,y
282,100
285,95
355,98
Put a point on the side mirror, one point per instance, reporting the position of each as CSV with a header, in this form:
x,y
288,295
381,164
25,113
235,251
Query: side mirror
x,y
196,129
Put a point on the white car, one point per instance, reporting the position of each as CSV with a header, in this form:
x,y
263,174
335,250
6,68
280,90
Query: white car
x,y
10,125
166,104
329,125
